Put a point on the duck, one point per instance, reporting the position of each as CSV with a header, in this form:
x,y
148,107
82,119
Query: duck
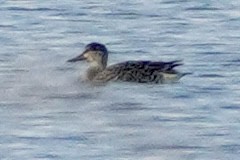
x,y
139,71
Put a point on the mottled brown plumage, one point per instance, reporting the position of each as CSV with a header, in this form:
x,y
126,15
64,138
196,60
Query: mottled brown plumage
x,y
131,71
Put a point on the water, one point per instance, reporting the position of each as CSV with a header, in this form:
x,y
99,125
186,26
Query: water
x,y
46,112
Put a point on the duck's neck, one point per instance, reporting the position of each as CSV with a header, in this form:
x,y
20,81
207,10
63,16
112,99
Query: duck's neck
x,y
93,70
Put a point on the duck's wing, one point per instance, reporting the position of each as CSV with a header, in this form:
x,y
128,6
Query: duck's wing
x,y
155,65
138,71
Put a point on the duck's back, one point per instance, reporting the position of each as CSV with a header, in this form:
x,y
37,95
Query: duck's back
x,y
140,71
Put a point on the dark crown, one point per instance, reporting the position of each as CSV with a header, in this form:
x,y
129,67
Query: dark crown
x,y
96,47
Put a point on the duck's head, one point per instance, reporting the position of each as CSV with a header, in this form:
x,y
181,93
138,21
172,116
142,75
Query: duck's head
x,y
94,53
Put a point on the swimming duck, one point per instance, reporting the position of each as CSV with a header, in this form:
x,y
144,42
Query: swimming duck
x,y
132,71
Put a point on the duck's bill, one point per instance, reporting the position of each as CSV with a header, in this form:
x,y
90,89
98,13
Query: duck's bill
x,y
78,58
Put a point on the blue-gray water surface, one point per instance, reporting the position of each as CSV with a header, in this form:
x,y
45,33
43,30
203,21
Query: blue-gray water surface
x,y
47,112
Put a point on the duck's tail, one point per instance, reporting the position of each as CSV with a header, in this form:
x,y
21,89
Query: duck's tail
x,y
173,77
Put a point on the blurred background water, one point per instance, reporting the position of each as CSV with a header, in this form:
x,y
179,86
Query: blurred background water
x,y
46,112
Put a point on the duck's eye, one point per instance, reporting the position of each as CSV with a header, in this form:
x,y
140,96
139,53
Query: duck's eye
x,y
96,48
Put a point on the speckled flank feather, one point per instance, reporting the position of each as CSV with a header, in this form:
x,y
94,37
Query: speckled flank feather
x,y
131,71
139,71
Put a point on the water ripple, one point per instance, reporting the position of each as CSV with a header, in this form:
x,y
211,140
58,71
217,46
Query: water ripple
x,y
202,9
211,76
148,147
70,96
127,106
66,138
33,9
231,107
